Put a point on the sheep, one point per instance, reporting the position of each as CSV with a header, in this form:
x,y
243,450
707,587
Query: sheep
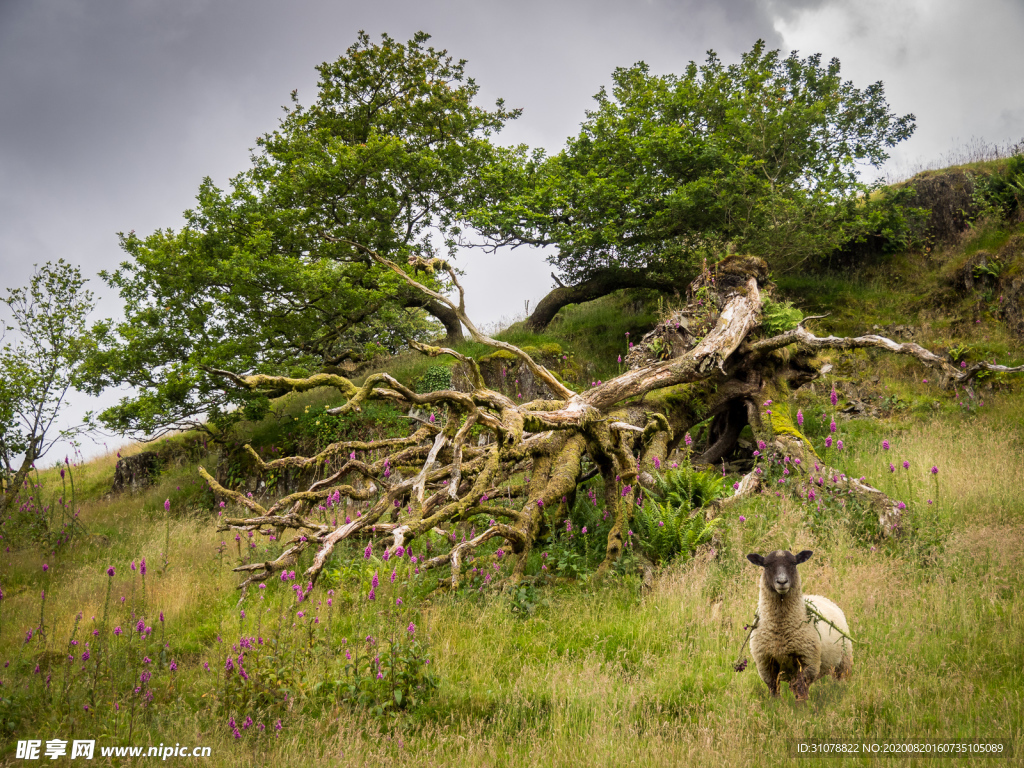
x,y
789,643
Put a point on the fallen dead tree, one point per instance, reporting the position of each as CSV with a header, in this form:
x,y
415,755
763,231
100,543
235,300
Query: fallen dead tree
x,y
715,363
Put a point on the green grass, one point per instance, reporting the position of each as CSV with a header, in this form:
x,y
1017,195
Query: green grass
x,y
625,675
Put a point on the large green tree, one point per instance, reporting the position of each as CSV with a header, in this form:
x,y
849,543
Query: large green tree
x,y
761,156
264,277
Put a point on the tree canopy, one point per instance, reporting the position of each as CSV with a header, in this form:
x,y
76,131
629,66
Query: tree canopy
x,y
760,157
264,277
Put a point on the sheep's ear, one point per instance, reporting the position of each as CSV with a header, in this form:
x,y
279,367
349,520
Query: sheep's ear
x,y
804,556
756,559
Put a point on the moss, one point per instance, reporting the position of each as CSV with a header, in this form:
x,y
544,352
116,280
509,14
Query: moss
x,y
500,354
551,349
782,424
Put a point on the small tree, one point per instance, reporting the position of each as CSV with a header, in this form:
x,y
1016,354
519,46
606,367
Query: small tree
x,y
39,366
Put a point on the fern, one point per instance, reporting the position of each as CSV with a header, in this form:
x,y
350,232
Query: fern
x,y
779,317
664,525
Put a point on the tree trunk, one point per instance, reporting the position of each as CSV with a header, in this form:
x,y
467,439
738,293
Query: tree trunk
x,y
601,283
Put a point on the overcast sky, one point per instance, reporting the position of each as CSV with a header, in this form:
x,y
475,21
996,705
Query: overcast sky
x,y
112,111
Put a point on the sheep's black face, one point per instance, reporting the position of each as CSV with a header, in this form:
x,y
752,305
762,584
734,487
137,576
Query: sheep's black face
x,y
780,568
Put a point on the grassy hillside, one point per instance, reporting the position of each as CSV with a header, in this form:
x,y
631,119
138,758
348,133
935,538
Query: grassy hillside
x,y
562,670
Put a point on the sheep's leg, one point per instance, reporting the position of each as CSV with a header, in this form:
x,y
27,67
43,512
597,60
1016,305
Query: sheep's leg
x,y
770,671
842,672
800,683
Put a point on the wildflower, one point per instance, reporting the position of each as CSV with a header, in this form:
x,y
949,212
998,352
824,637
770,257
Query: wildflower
x,y
657,463
833,397
891,467
300,614
584,530
839,445
133,565
173,666
394,575
661,524
375,582
398,601
117,631
432,418
828,441
229,665
935,470
963,363
167,505
110,571
45,567
735,486
901,505
540,502
620,358
411,628
142,567
832,426
368,551
161,617
688,440
743,519
140,626
799,418
811,496
400,551
885,445
906,465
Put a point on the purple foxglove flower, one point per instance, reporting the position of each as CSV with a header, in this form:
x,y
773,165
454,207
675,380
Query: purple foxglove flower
x,y
167,505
